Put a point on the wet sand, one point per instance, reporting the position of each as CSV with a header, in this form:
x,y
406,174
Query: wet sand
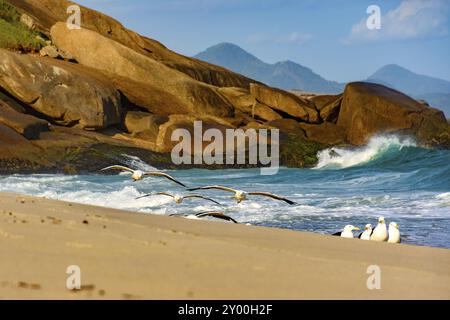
x,y
126,255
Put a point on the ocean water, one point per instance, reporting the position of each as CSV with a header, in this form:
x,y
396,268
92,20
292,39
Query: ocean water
x,y
389,177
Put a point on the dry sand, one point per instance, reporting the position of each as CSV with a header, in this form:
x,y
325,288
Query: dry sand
x,y
124,255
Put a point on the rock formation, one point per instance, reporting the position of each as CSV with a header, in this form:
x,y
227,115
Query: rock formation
x,y
103,90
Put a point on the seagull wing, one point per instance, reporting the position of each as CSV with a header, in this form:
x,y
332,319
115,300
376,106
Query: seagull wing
x,y
360,235
145,196
273,196
165,175
214,187
217,215
117,167
201,197
337,234
156,194
177,215
164,194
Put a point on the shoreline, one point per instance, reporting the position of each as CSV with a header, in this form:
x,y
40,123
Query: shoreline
x,y
126,255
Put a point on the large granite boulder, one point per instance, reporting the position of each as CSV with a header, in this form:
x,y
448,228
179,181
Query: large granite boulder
x,y
10,138
66,93
144,125
322,100
153,99
329,112
15,150
49,12
243,101
326,132
286,102
328,106
176,121
288,126
96,51
28,126
368,109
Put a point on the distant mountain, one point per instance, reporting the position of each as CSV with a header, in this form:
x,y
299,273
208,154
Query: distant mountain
x,y
285,75
435,91
409,82
289,75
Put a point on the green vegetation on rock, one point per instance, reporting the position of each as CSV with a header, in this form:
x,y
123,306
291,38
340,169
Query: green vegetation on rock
x,y
15,35
297,152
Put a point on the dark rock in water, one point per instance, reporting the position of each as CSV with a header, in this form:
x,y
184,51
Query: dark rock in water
x,y
334,154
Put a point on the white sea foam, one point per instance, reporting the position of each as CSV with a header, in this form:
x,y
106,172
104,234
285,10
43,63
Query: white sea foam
x,y
344,158
444,196
137,163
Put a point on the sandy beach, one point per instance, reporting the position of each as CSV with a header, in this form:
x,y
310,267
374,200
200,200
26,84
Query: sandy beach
x,y
126,255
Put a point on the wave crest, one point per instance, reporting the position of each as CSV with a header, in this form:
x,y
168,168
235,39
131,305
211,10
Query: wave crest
x,y
344,158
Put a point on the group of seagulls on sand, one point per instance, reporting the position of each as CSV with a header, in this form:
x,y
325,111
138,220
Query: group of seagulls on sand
x,y
380,233
239,195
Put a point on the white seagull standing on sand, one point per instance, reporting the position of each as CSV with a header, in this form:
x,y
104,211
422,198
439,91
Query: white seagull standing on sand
x,y
242,195
139,175
200,215
347,232
380,232
179,199
394,233
367,232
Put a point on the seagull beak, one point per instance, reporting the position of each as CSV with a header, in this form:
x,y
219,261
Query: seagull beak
x,y
356,229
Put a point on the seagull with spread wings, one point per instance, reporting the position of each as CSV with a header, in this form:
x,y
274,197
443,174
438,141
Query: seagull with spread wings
x,y
242,195
139,175
212,214
179,199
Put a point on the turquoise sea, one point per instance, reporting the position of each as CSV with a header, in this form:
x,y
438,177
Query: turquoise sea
x,y
389,177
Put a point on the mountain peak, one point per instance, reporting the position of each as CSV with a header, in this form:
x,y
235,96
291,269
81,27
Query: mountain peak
x,y
409,82
228,55
286,75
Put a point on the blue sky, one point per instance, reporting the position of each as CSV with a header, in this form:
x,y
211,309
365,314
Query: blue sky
x,y
329,36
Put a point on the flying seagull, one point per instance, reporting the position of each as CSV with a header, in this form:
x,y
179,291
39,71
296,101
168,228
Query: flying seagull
x,y
394,233
242,195
139,175
179,199
217,215
380,232
200,215
367,232
347,232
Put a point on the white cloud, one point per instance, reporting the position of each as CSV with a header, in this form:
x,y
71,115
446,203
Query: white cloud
x,y
411,19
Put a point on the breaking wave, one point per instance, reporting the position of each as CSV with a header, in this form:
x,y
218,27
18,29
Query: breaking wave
x,y
379,146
